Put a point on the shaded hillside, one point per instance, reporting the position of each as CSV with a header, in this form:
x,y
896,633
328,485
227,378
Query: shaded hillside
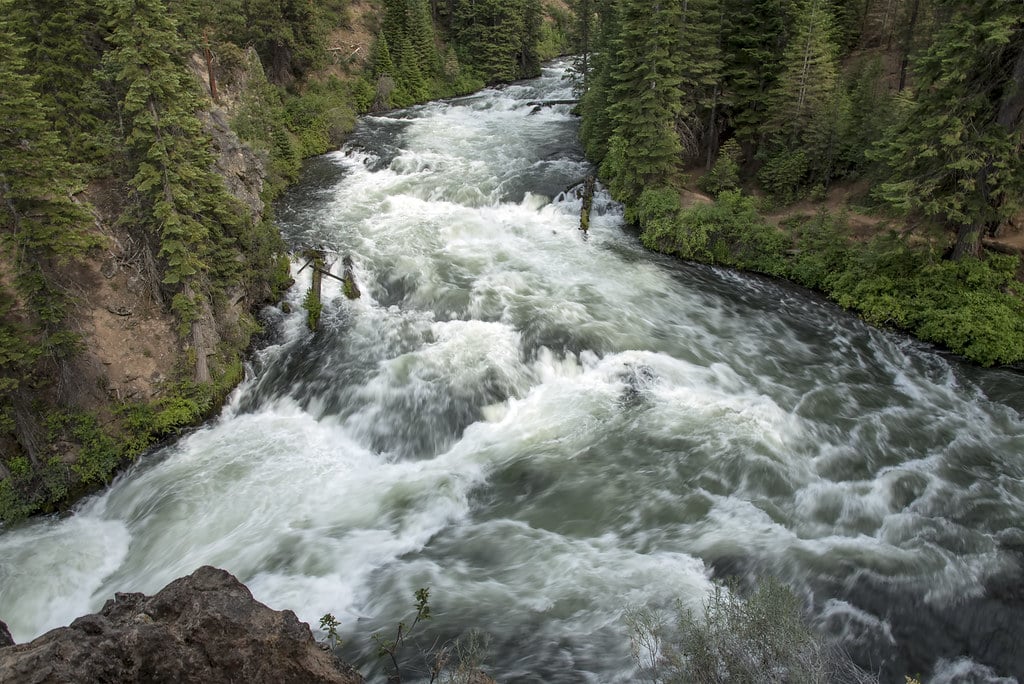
x,y
143,142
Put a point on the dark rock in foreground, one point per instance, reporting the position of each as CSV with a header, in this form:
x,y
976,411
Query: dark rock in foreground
x,y
5,635
204,628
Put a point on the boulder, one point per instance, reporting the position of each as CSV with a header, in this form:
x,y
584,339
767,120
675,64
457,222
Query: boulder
x,y
205,628
5,635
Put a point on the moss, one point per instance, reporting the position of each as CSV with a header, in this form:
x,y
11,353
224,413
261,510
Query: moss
x,y
314,307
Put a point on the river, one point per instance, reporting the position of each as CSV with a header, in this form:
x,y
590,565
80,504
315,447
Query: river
x,y
546,427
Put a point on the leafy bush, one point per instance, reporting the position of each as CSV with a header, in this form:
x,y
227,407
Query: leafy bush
x,y
822,249
729,232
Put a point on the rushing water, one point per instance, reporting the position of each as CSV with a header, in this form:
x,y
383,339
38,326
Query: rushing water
x,y
545,429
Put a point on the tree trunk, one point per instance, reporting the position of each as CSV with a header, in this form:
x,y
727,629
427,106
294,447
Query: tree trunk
x,y
968,242
209,67
908,41
1011,108
27,429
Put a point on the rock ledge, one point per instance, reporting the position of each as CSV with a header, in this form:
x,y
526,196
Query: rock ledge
x,y
205,628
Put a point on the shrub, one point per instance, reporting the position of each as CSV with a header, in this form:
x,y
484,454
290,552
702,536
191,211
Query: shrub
x,y
759,639
783,175
725,174
729,232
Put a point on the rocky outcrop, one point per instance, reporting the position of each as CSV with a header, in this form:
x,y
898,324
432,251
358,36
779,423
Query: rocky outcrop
x,y
5,635
205,628
241,168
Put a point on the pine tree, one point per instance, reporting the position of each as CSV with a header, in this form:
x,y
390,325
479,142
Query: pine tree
x,y
644,150
585,15
700,62
597,127
958,154
753,41
806,106
286,34
180,199
65,40
384,73
497,38
42,225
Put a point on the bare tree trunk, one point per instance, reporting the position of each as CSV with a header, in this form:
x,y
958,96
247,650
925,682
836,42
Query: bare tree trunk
x,y
27,429
712,132
209,65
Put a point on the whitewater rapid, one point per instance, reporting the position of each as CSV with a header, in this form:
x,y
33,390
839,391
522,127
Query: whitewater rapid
x,y
546,428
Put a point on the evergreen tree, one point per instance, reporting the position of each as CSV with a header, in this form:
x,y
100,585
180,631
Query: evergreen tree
x,y
585,15
64,48
384,73
497,38
644,150
958,154
806,106
287,35
753,38
180,199
597,127
42,225
700,63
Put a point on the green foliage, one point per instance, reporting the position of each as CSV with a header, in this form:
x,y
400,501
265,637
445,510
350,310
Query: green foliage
x,y
98,455
314,307
822,250
321,117
390,648
40,223
498,40
956,155
330,624
729,233
645,99
65,40
784,175
752,44
759,639
261,121
725,174
973,307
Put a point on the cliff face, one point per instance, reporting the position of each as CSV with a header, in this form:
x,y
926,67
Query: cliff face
x,y
137,373
205,628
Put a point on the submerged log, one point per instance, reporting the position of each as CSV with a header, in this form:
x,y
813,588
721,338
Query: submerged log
x,y
541,104
551,103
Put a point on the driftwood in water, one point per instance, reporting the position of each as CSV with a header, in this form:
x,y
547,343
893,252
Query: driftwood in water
x,y
348,280
588,202
541,104
312,303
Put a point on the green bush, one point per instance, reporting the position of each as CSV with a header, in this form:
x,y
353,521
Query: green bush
x,y
821,249
725,174
973,307
762,638
729,232
784,174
